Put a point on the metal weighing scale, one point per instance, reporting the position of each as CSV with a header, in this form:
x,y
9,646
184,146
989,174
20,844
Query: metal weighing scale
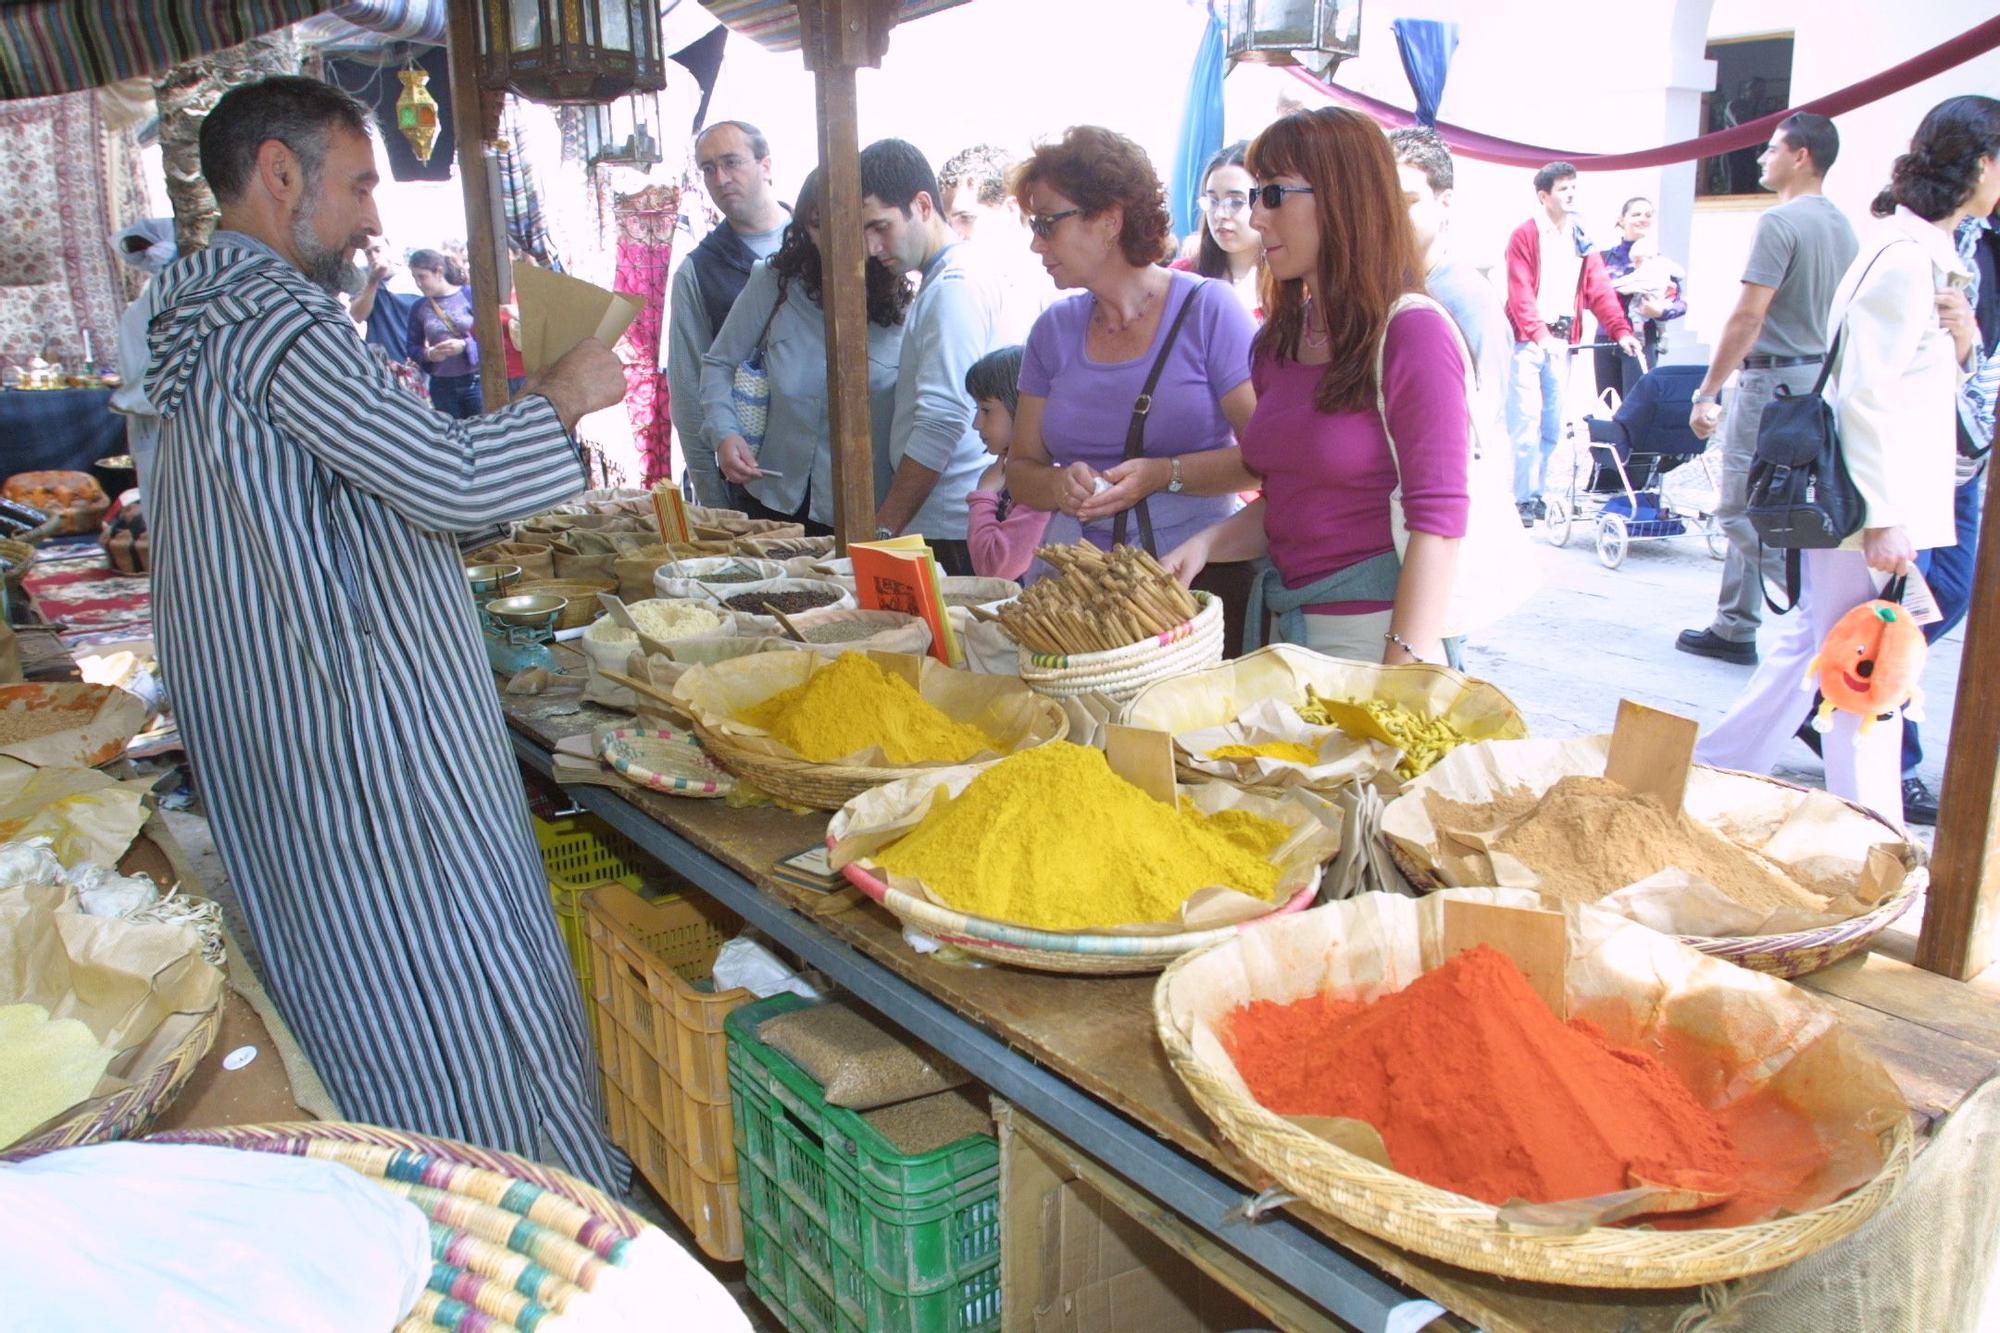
x,y
517,629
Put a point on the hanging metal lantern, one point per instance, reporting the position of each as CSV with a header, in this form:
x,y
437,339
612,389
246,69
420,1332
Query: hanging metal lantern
x,y
622,133
417,112
570,50
1317,34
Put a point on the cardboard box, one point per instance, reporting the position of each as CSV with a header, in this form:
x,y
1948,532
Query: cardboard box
x,y
1075,1261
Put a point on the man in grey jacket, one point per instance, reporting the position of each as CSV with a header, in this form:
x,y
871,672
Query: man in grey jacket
x,y
959,316
735,162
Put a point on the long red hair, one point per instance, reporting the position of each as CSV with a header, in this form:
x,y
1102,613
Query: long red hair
x,y
1368,253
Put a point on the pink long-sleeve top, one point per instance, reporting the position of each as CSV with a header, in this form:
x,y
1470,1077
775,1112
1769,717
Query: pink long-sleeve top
x,y
1328,475
1002,548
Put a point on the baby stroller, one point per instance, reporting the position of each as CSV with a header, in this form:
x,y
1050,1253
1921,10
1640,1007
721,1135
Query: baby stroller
x,y
1629,455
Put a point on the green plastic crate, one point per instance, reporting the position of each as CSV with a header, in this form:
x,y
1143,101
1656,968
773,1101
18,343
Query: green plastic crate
x,y
829,1243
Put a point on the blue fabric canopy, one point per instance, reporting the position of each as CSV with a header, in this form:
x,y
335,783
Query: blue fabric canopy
x,y
1201,126
1426,46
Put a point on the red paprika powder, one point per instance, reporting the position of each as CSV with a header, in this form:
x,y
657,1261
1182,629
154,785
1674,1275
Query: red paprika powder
x,y
1478,1088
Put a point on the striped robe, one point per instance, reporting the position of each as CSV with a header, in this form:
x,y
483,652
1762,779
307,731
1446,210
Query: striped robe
x,y
324,659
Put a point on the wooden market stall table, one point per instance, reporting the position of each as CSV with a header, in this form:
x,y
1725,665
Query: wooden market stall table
x,y
1079,1054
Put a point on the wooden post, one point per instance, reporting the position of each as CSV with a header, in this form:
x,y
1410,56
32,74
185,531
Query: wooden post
x,y
1957,938
839,36
468,117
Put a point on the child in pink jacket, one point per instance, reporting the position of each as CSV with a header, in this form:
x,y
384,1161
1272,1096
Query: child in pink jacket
x,y
1001,533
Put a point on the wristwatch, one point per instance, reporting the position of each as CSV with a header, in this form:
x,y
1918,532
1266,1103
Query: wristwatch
x,y
1174,483
1707,400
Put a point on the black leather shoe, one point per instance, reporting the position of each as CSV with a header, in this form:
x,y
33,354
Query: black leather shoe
x,y
1919,806
1707,643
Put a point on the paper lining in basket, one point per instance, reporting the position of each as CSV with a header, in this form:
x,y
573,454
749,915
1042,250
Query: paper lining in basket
x,y
876,818
1737,1038
1826,845
1341,758
1002,707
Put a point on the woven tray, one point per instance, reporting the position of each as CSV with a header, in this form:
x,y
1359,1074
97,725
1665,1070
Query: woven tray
x,y
820,786
126,1114
1465,1231
579,594
664,759
1121,673
514,1241
1794,953
1051,950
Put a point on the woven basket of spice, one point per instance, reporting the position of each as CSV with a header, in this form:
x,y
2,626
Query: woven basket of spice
x,y
1770,875
1731,1117
517,1245
851,629
1109,622
1050,860
818,730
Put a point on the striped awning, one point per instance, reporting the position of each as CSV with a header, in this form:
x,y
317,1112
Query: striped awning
x,y
774,24
65,46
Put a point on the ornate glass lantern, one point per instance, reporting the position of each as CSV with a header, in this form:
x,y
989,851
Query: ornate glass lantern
x,y
417,112
623,132
570,50
1318,34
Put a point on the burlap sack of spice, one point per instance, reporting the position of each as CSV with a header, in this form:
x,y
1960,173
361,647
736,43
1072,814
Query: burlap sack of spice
x,y
634,567
1002,707
1732,1035
857,1062
689,577
594,553
1195,704
787,549
876,818
139,987
1826,846
535,559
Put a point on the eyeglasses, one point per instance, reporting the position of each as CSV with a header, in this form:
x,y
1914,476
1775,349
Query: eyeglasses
x,y
1225,205
1273,196
1043,225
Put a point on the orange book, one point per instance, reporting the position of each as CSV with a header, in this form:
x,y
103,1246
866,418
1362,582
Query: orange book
x,y
901,575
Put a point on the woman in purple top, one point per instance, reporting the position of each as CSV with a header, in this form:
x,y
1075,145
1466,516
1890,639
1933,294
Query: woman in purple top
x,y
1338,243
441,324
1094,205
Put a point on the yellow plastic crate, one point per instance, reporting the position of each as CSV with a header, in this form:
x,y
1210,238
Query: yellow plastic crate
x,y
585,850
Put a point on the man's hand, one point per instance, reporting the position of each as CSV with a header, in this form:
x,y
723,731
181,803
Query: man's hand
x,y
1704,418
1956,318
588,377
1552,346
736,462
1631,346
1888,550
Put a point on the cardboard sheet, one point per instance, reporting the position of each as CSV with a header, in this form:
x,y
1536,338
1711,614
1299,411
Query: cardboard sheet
x,y
558,312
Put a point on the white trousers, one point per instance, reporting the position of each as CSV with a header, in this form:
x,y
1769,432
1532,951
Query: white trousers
x,y
1357,637
1861,767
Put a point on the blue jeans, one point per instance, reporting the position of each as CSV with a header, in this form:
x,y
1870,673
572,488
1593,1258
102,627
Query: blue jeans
x,y
1948,569
1534,415
457,396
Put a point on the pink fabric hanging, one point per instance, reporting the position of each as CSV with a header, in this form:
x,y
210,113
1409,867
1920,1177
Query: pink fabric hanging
x,y
645,252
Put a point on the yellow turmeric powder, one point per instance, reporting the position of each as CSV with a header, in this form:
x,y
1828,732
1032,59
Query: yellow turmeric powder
x,y
1295,751
1051,838
854,705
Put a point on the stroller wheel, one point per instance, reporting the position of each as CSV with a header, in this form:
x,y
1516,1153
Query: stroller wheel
x,y
1559,517
1612,541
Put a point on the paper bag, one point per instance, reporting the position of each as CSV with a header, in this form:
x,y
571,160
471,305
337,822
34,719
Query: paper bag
x,y
558,312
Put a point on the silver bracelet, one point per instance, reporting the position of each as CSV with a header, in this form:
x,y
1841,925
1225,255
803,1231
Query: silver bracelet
x,y
1391,636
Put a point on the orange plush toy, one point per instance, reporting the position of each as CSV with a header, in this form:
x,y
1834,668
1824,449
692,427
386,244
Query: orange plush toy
x,y
1869,666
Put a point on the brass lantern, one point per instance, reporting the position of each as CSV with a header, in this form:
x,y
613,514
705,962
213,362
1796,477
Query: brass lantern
x,y
621,133
417,112
570,50
1318,34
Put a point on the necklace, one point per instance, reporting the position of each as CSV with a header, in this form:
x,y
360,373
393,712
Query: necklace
x,y
1100,313
1324,334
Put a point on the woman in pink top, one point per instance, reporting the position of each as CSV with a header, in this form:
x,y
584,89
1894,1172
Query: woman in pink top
x,y
1339,247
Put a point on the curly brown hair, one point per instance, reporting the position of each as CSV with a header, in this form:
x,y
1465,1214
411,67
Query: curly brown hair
x,y
1098,170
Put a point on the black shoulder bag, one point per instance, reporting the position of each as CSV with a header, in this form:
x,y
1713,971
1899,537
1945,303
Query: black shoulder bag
x,y
1135,434
1801,497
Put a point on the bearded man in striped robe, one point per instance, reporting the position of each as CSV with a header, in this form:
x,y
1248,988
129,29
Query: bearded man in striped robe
x,y
324,658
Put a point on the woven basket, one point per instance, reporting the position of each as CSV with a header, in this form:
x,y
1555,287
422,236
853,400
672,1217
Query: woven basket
x,y
579,594
515,1242
1050,950
19,555
820,786
1794,953
1121,673
1465,1231
663,759
125,1114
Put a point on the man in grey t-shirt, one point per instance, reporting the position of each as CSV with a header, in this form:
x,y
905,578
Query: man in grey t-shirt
x,y
1776,336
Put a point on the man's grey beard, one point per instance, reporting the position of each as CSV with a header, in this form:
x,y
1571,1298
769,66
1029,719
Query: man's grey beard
x,y
332,269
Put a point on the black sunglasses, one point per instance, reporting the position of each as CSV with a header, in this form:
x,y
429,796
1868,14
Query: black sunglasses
x,y
1043,225
1273,196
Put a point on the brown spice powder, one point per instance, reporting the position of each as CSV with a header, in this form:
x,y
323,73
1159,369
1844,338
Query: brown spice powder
x,y
1589,836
